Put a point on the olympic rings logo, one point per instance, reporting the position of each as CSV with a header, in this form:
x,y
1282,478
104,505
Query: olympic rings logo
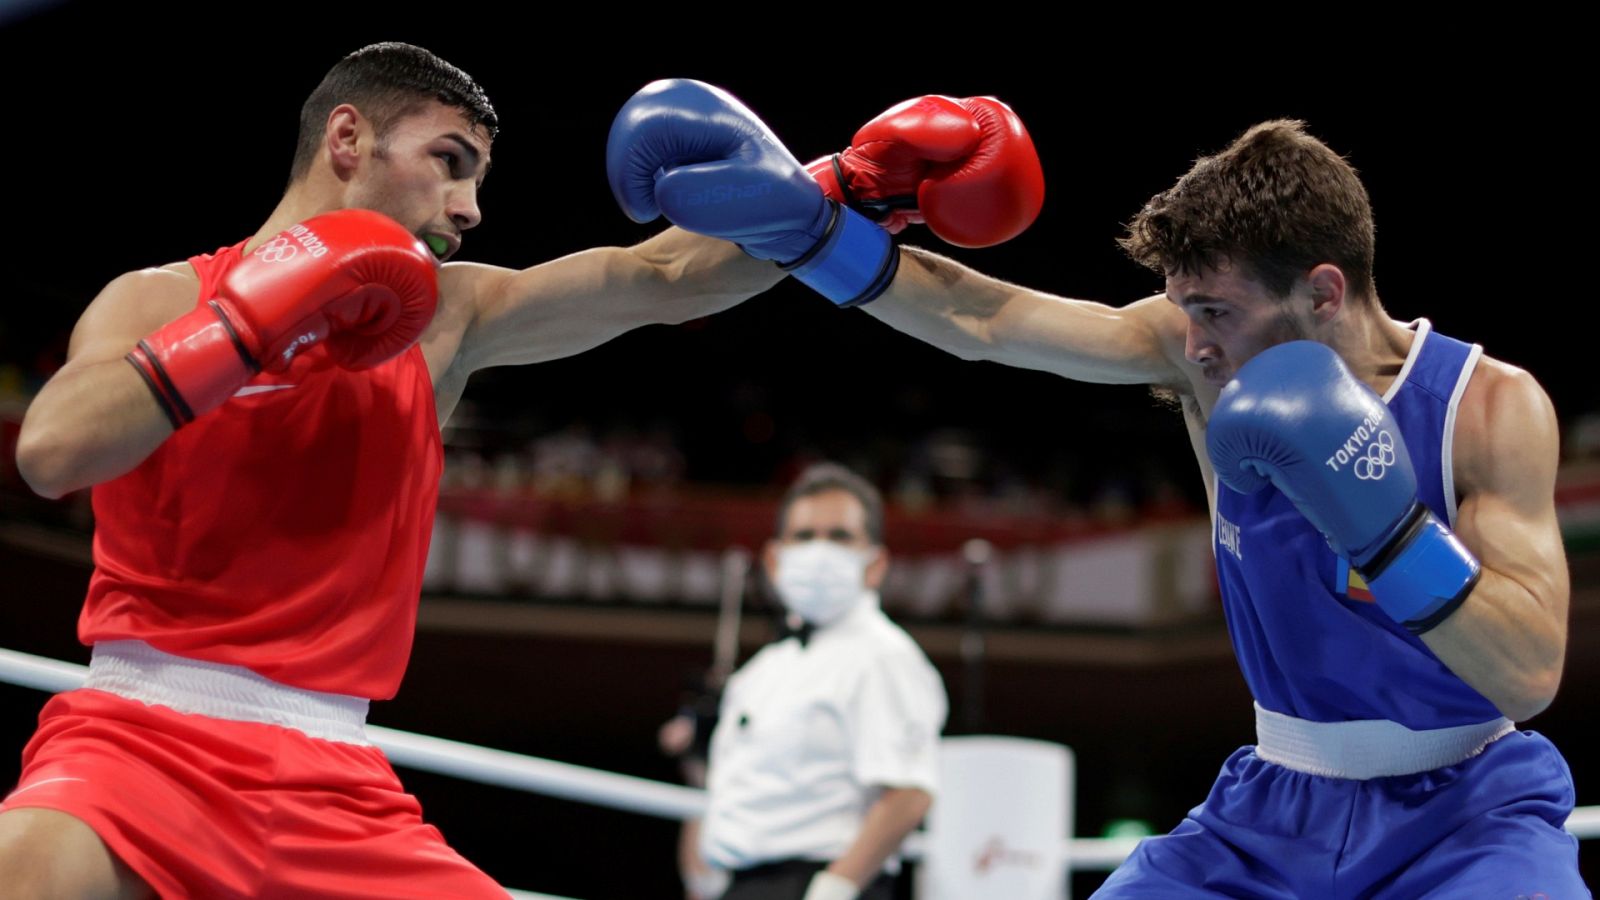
x,y
1380,456
277,250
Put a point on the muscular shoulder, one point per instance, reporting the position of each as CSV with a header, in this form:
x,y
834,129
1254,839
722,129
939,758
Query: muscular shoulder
x,y
1165,318
168,282
1168,327
462,291
139,302
462,287
1506,432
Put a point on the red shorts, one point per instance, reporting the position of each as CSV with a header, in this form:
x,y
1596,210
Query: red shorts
x,y
207,807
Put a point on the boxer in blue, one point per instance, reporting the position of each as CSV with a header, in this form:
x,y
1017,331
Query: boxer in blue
x,y
1385,530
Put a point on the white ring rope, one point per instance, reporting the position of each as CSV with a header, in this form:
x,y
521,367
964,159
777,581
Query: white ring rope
x,y
539,776
609,789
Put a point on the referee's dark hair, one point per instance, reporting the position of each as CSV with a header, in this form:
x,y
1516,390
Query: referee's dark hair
x,y
826,476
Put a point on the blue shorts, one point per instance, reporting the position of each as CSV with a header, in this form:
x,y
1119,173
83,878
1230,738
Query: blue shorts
x,y
1489,827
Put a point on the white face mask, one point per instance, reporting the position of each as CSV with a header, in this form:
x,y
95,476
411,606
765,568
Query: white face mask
x,y
820,581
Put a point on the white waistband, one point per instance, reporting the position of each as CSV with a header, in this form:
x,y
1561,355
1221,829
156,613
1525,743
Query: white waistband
x,y
1368,748
137,671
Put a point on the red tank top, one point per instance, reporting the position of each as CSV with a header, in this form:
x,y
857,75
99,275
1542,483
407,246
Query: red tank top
x,y
285,531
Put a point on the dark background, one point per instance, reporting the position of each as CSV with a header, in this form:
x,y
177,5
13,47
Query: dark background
x,y
130,144
137,138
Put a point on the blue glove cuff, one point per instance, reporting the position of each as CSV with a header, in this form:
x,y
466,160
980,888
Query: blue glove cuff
x,y
853,263
1425,577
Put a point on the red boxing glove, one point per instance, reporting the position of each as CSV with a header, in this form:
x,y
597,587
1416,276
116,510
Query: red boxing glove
x,y
965,166
354,278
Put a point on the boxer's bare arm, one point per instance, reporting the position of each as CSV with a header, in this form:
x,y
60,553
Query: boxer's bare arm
x,y
977,317
1508,640
95,418
577,302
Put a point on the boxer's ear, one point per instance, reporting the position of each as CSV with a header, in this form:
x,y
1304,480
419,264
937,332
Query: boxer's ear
x,y
347,134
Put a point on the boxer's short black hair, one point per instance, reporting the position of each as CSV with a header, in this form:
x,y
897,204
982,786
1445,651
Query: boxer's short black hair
x,y
387,82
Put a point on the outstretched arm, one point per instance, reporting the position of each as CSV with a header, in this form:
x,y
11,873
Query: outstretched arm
x,y
569,305
953,307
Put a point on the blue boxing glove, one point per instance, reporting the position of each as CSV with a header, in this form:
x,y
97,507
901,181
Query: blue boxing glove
x,y
695,154
1295,416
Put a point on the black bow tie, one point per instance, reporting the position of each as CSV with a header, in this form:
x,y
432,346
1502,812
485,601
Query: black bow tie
x,y
801,632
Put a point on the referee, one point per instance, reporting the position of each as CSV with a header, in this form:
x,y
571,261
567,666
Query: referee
x,y
825,753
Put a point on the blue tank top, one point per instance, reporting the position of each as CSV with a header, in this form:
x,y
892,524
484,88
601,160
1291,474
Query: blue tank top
x,y
1310,640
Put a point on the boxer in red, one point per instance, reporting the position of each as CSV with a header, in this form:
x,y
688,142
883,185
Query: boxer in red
x,y
261,429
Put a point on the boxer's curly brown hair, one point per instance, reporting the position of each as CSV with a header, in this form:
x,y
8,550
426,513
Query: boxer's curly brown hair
x,y
387,82
1278,202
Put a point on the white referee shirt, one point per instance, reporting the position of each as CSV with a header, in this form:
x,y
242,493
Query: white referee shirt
x,y
809,736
